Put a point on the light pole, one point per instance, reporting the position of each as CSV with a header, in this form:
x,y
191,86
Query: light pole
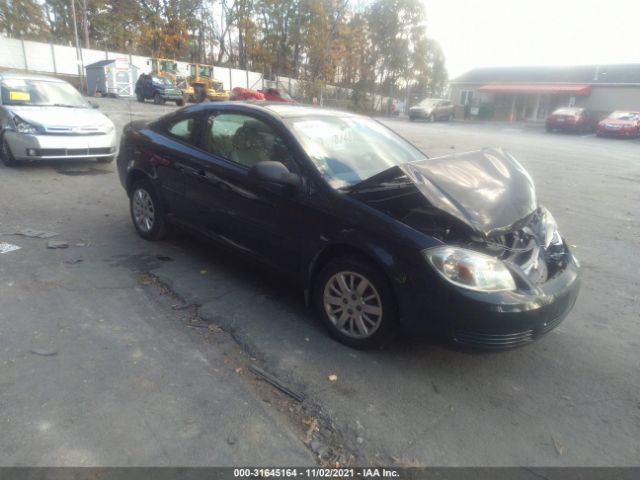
x,y
78,51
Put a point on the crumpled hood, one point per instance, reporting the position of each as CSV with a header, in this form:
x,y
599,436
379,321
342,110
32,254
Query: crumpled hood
x,y
61,116
488,190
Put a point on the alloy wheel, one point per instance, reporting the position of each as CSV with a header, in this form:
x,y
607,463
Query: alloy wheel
x,y
353,304
143,210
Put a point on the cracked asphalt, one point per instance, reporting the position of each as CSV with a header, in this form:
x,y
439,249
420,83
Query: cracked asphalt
x,y
98,369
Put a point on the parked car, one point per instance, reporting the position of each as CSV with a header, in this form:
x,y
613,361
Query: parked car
x,y
276,95
43,118
239,93
268,94
159,89
571,119
621,123
432,109
376,233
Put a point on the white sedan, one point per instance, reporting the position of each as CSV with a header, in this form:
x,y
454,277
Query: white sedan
x,y
44,118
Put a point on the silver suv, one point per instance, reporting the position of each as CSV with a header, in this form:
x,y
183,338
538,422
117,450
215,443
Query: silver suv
x,y
432,109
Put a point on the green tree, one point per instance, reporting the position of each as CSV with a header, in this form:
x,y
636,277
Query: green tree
x,y
23,19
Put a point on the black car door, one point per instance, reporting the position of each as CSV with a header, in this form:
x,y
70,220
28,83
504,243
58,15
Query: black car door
x,y
174,143
270,223
147,87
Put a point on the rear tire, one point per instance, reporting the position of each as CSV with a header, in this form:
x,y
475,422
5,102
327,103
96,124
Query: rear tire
x,y
5,154
356,303
147,213
140,97
180,103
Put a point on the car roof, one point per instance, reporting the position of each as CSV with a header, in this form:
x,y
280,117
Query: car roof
x,y
276,109
29,76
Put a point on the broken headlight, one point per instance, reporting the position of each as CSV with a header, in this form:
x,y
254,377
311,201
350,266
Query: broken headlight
x,y
549,229
24,127
470,269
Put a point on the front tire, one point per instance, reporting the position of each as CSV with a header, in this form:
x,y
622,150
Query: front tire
x,y
146,210
5,154
180,103
200,94
356,303
158,100
140,97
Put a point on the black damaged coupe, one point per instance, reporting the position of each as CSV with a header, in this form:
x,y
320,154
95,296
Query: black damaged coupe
x,y
378,235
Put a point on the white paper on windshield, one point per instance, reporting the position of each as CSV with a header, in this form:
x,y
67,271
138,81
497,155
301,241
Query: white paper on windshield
x,y
326,133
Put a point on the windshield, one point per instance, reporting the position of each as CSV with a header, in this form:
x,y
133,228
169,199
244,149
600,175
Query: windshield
x,y
167,66
40,93
625,116
567,111
428,102
347,150
162,80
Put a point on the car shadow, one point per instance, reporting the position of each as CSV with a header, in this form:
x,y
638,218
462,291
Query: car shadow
x,y
242,294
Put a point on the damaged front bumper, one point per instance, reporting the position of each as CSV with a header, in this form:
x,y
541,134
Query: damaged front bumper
x,y
494,320
511,319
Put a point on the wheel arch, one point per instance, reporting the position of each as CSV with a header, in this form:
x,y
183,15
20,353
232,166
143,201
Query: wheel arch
x,y
329,252
133,177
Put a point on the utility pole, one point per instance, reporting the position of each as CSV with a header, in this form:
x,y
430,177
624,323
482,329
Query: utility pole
x,y
85,24
78,51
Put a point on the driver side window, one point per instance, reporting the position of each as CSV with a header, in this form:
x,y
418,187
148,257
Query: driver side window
x,y
244,140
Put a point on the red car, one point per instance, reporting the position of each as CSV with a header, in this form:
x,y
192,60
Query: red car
x,y
620,124
275,95
571,119
269,94
239,93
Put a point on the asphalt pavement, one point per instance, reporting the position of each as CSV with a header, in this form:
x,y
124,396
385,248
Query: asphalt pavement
x,y
99,369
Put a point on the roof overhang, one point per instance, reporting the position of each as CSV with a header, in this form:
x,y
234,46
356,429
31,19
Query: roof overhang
x,y
580,90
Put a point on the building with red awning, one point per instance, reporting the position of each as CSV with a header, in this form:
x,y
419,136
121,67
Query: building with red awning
x,y
532,93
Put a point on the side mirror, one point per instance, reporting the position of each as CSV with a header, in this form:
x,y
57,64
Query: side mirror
x,y
93,104
275,174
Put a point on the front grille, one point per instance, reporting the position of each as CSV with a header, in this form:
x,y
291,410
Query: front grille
x,y
71,152
550,325
483,340
75,130
504,340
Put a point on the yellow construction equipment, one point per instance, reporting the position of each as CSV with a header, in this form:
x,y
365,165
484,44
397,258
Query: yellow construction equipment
x,y
203,85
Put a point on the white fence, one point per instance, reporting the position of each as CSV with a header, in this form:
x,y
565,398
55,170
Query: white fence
x,y
40,57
